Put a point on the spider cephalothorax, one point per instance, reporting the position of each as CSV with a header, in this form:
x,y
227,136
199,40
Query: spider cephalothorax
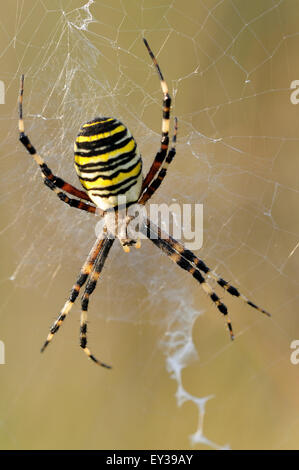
x,y
109,167
124,223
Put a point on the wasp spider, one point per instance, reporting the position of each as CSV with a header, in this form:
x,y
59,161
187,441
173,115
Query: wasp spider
x,y
109,165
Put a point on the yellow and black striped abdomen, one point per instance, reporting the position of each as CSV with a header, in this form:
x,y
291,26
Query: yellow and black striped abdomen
x,y
108,162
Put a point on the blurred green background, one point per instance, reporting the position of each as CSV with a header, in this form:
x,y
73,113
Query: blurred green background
x,y
229,66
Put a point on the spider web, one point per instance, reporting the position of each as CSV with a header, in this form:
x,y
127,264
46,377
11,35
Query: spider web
x,y
229,65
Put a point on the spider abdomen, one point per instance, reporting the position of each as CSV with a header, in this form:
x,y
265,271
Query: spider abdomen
x,y
108,163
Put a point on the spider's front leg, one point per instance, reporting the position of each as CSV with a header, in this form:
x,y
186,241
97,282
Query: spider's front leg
x,y
162,241
86,269
90,287
186,260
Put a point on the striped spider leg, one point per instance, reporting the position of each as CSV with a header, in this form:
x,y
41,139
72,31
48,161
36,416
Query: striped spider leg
x,y
90,287
164,157
175,250
89,272
51,181
186,260
161,155
156,182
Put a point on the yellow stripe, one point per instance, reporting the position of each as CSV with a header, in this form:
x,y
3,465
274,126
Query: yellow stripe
x,y
105,156
92,138
103,183
98,122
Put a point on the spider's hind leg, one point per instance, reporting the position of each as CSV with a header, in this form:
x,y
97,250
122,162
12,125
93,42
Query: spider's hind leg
x,y
161,155
56,184
155,183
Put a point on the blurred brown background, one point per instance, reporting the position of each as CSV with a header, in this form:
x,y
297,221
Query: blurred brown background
x,y
229,66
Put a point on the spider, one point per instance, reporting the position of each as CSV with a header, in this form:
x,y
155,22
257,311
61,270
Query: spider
x,y
109,165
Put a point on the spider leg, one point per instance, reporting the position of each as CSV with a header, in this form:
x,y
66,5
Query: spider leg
x,y
76,203
154,233
90,287
53,182
154,185
198,263
86,269
160,156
